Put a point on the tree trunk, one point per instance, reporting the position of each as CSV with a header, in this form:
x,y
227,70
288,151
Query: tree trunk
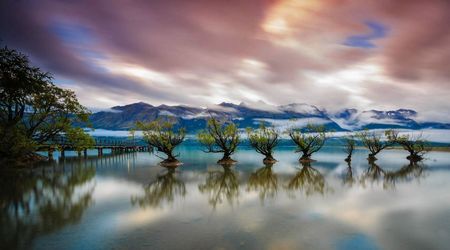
x,y
226,159
269,159
305,157
414,157
171,160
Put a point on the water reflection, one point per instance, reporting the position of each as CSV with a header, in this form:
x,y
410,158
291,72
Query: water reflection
x,y
221,185
414,170
348,179
308,180
265,181
34,204
376,174
165,188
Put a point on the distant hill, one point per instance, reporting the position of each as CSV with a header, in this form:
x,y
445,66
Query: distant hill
x,y
282,117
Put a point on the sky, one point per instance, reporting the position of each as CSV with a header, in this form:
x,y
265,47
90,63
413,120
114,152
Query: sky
x,y
335,54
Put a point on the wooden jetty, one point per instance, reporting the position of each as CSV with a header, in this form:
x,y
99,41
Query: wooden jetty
x,y
116,146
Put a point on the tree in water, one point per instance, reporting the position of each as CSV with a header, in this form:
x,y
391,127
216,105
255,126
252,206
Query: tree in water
x,y
264,140
308,141
220,137
79,140
349,147
416,145
33,111
374,142
265,181
162,136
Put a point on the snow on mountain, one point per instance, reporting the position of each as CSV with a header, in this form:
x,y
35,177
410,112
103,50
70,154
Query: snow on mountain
x,y
251,114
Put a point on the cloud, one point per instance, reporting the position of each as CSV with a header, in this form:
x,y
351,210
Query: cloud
x,y
205,52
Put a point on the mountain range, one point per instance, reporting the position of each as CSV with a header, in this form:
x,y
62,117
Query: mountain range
x,y
245,115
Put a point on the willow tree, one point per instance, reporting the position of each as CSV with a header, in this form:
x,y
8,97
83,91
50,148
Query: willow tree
x,y
349,147
264,140
308,141
220,137
33,111
162,136
416,145
374,142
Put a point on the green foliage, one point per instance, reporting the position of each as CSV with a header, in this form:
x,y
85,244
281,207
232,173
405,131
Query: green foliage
x,y
162,136
416,145
79,139
33,111
220,137
310,140
263,140
374,142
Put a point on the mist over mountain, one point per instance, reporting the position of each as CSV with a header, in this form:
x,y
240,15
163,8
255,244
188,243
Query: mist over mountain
x,y
251,115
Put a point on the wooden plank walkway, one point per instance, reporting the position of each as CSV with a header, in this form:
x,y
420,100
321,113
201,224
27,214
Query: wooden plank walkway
x,y
62,145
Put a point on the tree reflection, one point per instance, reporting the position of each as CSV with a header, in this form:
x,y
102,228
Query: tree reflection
x,y
264,181
349,179
414,170
35,204
308,179
374,173
164,189
221,185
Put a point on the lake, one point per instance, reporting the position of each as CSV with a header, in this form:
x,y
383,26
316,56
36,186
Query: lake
x,y
127,201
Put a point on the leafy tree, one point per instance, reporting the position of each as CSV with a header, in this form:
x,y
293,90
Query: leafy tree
x,y
308,141
33,111
374,142
220,137
349,145
263,140
79,139
416,145
162,136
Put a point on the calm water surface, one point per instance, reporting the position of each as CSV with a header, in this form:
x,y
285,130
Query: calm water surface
x,y
129,202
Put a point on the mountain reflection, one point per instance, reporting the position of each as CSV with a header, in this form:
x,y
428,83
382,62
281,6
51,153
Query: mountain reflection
x,y
307,179
264,181
165,188
221,185
34,204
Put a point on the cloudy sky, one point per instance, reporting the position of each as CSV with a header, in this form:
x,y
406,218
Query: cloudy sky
x,y
335,54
